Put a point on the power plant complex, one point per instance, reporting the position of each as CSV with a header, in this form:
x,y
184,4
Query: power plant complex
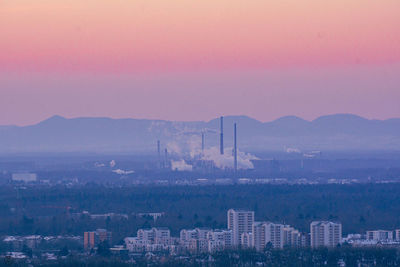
x,y
205,158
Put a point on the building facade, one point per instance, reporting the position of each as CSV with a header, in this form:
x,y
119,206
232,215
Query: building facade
x,y
240,221
325,234
380,235
92,239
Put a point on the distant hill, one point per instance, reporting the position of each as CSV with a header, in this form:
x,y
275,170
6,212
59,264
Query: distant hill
x,y
333,132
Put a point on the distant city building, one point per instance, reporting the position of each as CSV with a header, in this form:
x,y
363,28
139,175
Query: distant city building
x,y
154,239
92,239
135,244
162,236
104,235
198,233
154,215
24,177
89,240
219,240
380,235
146,234
108,215
187,235
194,240
243,232
247,240
274,235
325,234
240,221
397,234
291,237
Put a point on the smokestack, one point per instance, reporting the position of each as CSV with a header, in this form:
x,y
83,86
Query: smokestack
x,y
159,153
202,142
235,147
221,141
166,158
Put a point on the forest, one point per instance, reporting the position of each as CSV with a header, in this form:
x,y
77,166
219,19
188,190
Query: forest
x,y
57,210
342,256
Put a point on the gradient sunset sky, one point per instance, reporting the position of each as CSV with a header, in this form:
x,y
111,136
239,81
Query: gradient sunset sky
x,y
196,60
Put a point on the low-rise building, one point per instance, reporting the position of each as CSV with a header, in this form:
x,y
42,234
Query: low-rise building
x,y
154,239
219,240
24,177
380,235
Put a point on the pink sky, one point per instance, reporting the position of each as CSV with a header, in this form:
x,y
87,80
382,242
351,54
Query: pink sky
x,y
189,60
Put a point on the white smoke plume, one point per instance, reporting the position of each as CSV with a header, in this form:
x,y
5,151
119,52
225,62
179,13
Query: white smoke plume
x,y
180,165
226,161
174,148
190,145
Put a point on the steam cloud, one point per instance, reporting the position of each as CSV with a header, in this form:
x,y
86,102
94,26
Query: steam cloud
x,y
191,146
181,165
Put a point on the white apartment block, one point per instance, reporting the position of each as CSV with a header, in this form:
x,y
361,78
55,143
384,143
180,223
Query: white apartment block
x,y
291,237
277,235
160,236
134,244
274,234
198,233
247,240
146,234
258,232
219,240
325,234
187,235
240,221
380,235
194,239
397,234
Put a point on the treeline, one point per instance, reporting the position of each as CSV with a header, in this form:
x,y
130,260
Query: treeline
x,y
343,256
48,210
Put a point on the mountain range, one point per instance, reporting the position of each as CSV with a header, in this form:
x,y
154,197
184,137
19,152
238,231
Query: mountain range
x,y
333,132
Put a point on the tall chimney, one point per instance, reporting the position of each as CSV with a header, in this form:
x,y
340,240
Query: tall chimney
x,y
202,142
221,141
235,147
159,153
166,158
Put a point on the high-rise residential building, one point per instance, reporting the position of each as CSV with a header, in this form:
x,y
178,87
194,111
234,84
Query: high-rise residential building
x,y
380,235
258,232
325,234
275,235
240,221
291,237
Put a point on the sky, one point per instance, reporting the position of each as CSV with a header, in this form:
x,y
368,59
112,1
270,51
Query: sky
x,y
196,60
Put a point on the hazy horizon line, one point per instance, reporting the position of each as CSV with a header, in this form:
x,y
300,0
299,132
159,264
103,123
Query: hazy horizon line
x,y
182,120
